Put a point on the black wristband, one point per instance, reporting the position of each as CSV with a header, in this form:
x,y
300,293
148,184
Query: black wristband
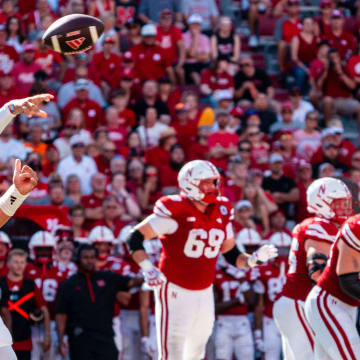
x,y
232,255
135,241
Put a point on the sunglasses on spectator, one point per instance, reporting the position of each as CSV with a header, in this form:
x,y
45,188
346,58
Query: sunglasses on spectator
x,y
78,145
71,127
287,111
109,150
78,215
245,64
246,149
111,207
312,118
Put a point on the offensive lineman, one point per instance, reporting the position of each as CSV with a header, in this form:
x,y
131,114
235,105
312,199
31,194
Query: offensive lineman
x,y
331,306
331,202
24,181
194,227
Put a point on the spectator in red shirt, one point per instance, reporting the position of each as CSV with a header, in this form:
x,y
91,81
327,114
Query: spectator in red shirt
x,y
115,132
323,22
170,39
353,68
259,148
93,114
93,202
170,170
126,117
33,20
199,149
8,90
233,188
106,65
25,69
8,55
150,60
304,179
222,144
337,86
339,39
290,27
103,160
303,50
216,78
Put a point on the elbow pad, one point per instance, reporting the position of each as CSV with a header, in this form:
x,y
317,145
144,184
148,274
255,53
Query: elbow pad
x,y
232,255
318,260
135,241
350,284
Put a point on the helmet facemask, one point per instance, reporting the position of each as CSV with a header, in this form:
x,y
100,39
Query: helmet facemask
x,y
342,209
210,188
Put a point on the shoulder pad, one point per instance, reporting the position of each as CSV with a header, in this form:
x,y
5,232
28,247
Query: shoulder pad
x,y
350,232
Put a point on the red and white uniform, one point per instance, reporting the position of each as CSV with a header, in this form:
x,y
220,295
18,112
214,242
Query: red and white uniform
x,y
270,279
332,313
233,335
184,304
289,315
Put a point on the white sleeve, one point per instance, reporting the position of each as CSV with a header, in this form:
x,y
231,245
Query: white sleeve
x,y
5,117
163,225
229,231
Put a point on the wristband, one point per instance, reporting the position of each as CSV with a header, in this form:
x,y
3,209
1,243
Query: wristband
x,y
253,261
11,200
258,334
12,109
146,265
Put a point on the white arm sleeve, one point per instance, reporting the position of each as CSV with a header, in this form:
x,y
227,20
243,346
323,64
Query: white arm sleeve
x,y
163,225
5,117
229,231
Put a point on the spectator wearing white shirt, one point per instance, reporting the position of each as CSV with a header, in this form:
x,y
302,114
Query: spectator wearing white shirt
x,y
10,147
150,132
300,106
78,164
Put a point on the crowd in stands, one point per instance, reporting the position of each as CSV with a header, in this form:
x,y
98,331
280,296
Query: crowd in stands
x,y
175,80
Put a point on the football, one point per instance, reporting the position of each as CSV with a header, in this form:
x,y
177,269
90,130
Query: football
x,y
73,33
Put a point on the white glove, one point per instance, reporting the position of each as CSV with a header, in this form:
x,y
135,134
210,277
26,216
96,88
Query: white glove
x,y
152,275
265,253
259,342
146,347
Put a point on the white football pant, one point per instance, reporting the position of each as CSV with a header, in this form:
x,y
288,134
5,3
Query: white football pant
x,y
233,336
7,353
334,324
296,334
184,321
131,335
272,339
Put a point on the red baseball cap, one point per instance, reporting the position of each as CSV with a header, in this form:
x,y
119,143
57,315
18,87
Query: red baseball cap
x,y
324,3
128,56
237,111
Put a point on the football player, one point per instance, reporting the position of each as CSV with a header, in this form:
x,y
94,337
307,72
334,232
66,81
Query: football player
x,y
24,181
331,306
47,277
269,282
194,227
330,201
233,294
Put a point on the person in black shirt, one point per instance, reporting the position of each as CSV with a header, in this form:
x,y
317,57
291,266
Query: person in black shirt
x,y
282,188
249,81
84,309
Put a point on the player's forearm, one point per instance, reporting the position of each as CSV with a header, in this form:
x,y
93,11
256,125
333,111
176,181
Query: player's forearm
x,y
3,218
61,326
5,116
46,322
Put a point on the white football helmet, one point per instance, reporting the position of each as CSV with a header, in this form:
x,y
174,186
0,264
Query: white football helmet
x,y
121,239
321,195
248,240
101,234
42,239
192,174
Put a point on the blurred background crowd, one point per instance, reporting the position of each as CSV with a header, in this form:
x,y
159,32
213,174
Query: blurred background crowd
x,y
268,90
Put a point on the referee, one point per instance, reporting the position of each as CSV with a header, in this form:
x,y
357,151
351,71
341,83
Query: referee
x,y
85,307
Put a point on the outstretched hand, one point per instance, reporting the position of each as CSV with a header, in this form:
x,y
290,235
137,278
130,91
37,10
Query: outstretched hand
x,y
25,178
30,106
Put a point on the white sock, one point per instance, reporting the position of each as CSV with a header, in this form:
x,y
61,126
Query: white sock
x,y
7,353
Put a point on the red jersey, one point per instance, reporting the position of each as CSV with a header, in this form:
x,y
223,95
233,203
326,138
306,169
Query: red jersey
x,y
24,74
345,43
298,283
8,58
92,111
150,61
290,29
329,280
168,41
195,244
126,118
47,61
307,51
217,81
229,287
270,279
48,282
116,265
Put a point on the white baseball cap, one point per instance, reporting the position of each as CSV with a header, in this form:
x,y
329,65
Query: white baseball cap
x,y
148,30
77,139
275,158
195,19
243,203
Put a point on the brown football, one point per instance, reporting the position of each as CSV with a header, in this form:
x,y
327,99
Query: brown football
x,y
73,34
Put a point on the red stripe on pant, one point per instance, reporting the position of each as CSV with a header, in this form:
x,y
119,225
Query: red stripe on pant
x,y
164,321
340,329
304,325
328,326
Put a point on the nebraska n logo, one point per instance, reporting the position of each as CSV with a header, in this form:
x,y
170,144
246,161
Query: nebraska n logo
x,y
321,189
12,199
76,43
